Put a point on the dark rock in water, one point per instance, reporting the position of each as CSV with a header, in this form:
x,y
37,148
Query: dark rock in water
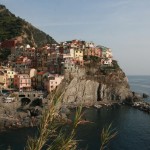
x,y
143,106
145,95
130,100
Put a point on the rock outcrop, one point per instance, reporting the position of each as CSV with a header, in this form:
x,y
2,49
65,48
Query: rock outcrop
x,y
90,86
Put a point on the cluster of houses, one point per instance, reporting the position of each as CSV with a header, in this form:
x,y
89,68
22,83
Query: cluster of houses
x,y
44,68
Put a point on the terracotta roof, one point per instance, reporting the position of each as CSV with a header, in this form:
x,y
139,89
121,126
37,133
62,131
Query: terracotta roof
x,y
41,73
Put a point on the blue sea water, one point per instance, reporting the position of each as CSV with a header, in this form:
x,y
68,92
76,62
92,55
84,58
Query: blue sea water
x,y
140,84
132,125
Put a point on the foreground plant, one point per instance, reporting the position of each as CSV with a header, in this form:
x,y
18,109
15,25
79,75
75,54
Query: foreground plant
x,y
51,128
48,129
106,136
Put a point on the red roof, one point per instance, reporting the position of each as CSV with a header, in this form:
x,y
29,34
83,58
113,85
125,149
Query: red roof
x,y
41,73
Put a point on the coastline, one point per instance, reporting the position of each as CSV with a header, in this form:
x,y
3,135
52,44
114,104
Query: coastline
x,y
15,122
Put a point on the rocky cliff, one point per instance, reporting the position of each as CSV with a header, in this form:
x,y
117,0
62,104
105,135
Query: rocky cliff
x,y
95,85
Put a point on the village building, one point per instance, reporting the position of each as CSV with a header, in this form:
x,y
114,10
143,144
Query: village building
x,y
39,80
54,63
54,81
33,72
22,82
79,56
35,64
109,53
106,61
26,61
70,66
3,79
10,78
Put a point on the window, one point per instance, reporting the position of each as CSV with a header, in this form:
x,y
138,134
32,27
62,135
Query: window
x,y
22,96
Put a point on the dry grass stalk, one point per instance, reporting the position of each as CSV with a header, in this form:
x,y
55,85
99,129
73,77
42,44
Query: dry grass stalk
x,y
106,136
48,128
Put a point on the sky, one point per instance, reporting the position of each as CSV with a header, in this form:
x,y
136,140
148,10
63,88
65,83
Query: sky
x,y
122,25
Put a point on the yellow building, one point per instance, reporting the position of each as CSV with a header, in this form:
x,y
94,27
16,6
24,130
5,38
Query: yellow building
x,y
78,54
11,73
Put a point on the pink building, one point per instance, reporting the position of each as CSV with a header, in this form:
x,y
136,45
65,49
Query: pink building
x,y
98,52
26,61
95,51
22,82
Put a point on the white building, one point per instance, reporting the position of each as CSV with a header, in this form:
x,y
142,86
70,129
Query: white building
x,y
54,81
33,72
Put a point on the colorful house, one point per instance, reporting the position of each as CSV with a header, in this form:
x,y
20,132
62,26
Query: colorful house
x,y
78,56
10,78
109,53
22,82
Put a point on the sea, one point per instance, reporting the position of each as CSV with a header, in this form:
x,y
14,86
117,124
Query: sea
x,y
132,126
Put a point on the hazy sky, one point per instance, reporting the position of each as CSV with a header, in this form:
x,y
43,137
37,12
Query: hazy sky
x,y
122,25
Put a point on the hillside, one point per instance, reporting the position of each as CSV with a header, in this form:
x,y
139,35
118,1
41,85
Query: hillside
x,y
13,27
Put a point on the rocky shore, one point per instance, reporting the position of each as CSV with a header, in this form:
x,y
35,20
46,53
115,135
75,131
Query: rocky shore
x,y
137,101
14,115
17,115
13,119
143,106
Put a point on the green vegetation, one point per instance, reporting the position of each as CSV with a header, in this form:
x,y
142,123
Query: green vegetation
x,y
4,54
91,58
115,64
12,26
